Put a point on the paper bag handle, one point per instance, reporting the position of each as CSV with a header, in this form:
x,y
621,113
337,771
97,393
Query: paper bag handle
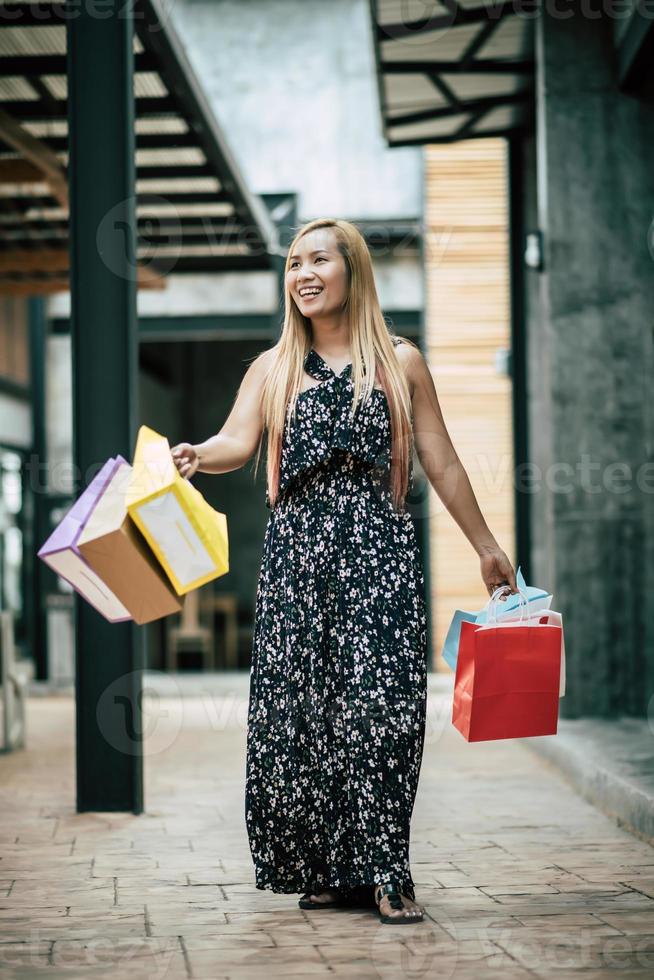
x,y
494,599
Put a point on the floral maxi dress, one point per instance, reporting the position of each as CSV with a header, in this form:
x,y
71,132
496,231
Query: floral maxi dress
x,y
338,683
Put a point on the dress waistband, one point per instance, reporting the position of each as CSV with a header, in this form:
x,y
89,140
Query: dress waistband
x,y
336,483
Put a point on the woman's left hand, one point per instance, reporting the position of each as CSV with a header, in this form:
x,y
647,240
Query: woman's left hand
x,y
497,570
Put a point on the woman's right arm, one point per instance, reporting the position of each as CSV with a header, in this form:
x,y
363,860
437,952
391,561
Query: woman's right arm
x,y
239,437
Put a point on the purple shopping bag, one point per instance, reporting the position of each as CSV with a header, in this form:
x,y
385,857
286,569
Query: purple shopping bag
x,y
61,554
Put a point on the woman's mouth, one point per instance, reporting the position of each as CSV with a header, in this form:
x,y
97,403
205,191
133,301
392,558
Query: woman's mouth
x,y
310,292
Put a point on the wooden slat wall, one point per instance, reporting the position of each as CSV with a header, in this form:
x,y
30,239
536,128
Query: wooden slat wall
x,y
467,321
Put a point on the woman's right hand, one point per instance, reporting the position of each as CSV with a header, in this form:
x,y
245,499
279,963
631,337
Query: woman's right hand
x,y
186,459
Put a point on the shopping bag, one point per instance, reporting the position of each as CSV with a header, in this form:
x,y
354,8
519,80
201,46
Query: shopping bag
x,y
538,599
186,534
553,618
115,550
507,680
61,553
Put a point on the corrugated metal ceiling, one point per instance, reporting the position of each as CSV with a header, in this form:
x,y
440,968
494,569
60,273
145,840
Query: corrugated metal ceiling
x,y
454,69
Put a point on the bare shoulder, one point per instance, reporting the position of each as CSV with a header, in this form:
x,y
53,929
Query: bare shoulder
x,y
411,358
407,350
265,360
261,365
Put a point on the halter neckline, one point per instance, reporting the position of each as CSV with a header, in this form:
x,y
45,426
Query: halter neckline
x,y
318,368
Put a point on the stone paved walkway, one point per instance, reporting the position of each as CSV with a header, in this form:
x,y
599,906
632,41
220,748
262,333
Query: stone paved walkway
x,y
519,876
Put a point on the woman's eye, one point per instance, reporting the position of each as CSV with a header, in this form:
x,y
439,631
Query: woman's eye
x,y
320,258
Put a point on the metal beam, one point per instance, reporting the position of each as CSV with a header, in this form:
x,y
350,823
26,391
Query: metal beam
x,y
55,64
185,197
33,110
105,365
17,170
477,42
519,129
479,67
457,17
228,326
215,327
25,201
32,149
220,263
179,170
144,141
197,223
473,105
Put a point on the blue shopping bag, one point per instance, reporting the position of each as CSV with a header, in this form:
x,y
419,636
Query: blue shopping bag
x,y
537,599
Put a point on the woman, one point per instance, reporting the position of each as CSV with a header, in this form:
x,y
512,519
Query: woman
x,y
338,685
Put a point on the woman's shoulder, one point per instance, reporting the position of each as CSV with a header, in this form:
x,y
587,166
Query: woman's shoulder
x,y
409,356
264,361
407,349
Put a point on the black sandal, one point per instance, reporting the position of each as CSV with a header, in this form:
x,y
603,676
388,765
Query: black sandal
x,y
394,892
306,902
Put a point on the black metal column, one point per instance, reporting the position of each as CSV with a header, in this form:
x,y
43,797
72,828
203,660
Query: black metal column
x,y
105,360
36,576
515,193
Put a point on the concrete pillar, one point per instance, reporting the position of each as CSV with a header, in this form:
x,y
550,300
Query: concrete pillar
x,y
591,361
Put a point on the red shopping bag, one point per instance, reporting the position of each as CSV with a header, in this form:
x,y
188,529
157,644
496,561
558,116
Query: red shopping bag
x,y
507,681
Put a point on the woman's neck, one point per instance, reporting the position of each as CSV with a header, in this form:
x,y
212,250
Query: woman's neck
x,y
331,337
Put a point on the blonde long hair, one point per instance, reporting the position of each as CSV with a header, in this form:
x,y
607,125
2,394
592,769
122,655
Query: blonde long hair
x,y
372,353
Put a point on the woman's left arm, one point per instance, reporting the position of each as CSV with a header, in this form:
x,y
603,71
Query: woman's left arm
x,y
446,472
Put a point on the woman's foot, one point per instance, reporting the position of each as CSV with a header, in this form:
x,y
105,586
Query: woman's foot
x,y
325,897
409,910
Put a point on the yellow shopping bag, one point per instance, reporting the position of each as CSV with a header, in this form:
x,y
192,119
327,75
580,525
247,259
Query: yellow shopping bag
x,y
186,534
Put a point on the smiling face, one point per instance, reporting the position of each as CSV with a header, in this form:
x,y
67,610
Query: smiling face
x,y
317,274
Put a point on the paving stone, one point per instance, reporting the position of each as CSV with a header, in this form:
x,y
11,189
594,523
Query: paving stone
x,y
258,962
122,952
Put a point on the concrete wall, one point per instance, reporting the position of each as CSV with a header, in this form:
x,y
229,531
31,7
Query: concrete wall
x,y
592,364
293,84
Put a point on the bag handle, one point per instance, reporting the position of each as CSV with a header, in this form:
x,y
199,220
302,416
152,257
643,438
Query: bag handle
x,y
494,599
